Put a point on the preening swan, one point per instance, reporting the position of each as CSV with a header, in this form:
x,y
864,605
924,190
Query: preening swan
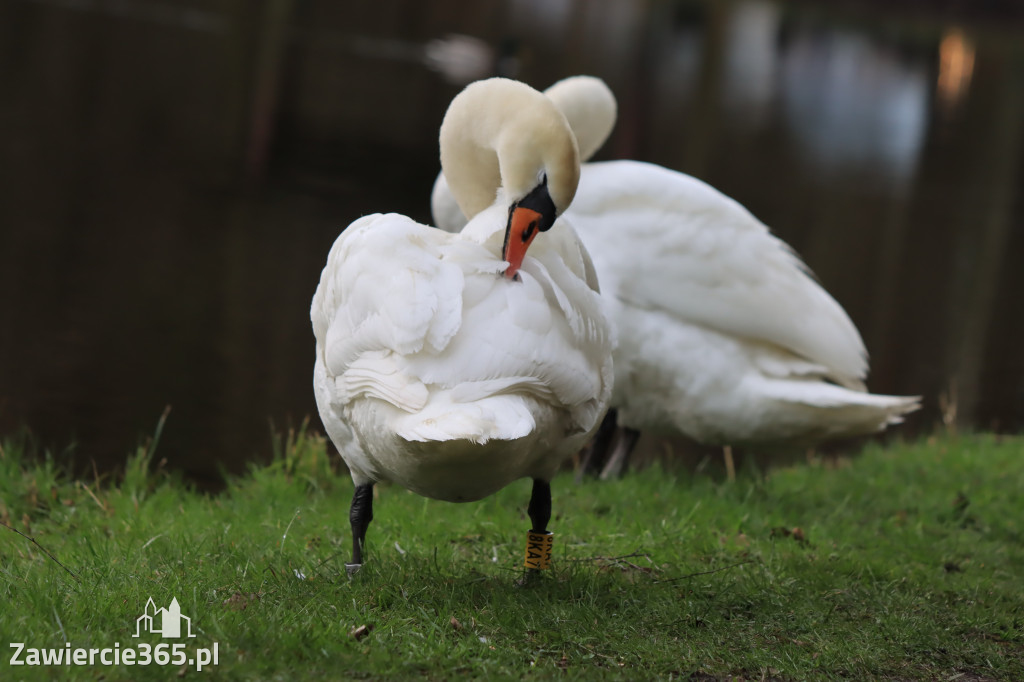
x,y
724,335
454,364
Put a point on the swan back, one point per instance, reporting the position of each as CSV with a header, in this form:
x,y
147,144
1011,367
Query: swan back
x,y
708,261
436,373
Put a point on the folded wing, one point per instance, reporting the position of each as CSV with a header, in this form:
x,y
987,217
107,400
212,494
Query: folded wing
x,y
422,320
666,241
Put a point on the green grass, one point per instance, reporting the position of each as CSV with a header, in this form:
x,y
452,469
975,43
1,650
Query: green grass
x,y
908,564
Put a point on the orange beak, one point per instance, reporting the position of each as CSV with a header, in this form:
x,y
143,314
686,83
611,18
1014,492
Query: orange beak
x,y
522,228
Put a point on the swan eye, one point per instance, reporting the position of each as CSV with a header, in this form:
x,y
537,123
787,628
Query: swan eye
x,y
528,232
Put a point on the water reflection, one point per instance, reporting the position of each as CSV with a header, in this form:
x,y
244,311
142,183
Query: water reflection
x,y
173,176
852,102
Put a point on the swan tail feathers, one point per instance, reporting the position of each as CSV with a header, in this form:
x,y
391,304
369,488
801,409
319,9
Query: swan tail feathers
x,y
831,411
502,417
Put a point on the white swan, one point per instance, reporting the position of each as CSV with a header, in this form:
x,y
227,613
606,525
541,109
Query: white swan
x,y
454,364
724,335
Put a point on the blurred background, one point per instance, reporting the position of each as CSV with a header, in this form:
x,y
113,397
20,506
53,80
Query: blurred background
x,y
173,173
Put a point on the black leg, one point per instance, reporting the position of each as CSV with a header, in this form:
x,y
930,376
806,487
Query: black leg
x,y
596,452
618,462
538,540
540,506
359,515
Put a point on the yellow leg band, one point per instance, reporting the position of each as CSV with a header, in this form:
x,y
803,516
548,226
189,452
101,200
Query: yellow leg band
x,y
538,550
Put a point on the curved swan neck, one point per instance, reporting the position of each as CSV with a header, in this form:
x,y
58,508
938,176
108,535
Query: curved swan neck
x,y
500,133
590,108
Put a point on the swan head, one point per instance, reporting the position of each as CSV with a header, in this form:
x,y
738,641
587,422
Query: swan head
x,y
501,140
527,217
590,108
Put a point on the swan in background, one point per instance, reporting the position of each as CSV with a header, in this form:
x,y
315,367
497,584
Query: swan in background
x,y
724,336
454,364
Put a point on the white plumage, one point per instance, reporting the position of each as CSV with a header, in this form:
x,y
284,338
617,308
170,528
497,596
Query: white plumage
x,y
724,335
421,344
435,371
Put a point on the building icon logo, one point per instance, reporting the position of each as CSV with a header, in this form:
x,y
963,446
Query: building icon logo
x,y
164,622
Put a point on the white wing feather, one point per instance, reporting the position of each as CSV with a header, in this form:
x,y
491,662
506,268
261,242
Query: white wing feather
x,y
724,334
706,260
420,319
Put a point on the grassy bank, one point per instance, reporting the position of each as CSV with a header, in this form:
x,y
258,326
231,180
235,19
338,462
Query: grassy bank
x,y
905,563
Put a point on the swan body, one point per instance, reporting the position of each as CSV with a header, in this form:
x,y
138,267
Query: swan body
x,y
724,335
442,376
440,367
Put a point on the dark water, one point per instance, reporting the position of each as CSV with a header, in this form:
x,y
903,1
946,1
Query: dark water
x,y
173,174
